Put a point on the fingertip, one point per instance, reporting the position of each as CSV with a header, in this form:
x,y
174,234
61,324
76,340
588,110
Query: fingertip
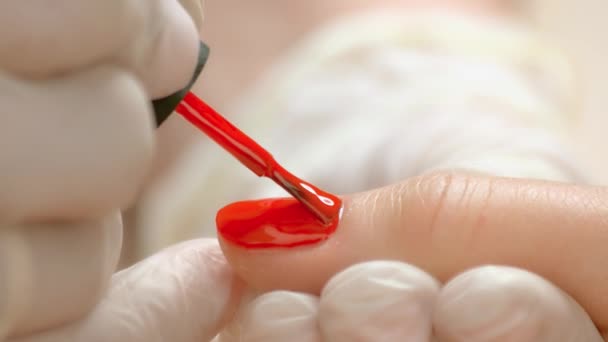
x,y
186,292
504,303
171,59
386,274
395,300
62,287
276,316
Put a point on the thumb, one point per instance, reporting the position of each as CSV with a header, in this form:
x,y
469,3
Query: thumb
x,y
185,293
446,223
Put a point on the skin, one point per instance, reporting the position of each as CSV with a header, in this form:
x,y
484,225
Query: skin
x,y
446,223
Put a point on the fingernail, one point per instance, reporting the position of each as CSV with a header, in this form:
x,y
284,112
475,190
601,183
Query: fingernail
x,y
271,223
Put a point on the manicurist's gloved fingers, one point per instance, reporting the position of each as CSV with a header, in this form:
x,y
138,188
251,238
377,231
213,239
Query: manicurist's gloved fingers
x,y
446,223
378,301
55,273
155,39
74,147
516,306
166,53
275,316
183,294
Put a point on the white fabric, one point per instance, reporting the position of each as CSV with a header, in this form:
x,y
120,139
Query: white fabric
x,y
181,294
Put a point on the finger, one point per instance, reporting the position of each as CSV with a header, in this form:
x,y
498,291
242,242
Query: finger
x,y
378,301
156,39
183,294
446,223
166,52
507,304
276,316
38,39
72,148
63,271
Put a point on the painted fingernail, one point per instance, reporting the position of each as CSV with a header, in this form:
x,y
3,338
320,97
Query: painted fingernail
x,y
272,223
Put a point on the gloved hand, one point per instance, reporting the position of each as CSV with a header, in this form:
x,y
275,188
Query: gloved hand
x,y
393,301
77,138
466,240
185,293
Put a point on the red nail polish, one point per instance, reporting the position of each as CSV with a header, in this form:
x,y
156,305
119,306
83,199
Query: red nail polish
x,y
309,218
324,205
272,223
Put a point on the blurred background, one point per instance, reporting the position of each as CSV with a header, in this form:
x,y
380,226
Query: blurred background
x,y
247,36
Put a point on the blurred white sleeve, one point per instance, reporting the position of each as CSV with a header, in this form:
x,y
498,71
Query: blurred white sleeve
x,y
375,98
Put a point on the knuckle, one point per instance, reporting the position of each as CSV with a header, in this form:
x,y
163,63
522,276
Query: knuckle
x,y
432,192
449,199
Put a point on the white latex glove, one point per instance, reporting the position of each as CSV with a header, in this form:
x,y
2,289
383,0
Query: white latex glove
x,y
392,301
76,141
185,293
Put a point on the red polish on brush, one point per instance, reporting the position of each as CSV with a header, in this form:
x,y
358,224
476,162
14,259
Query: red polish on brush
x,y
312,217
